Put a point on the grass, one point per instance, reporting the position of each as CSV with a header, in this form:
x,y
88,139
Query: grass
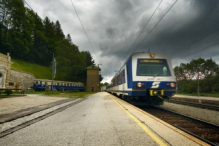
x,y
68,94
34,69
52,94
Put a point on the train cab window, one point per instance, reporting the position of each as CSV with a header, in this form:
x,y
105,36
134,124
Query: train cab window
x,y
152,67
40,82
36,82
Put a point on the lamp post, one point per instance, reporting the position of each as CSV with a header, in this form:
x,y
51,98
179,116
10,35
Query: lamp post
x,y
199,65
99,64
99,77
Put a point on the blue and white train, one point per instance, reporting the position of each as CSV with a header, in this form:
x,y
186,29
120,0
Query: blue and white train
x,y
42,84
146,77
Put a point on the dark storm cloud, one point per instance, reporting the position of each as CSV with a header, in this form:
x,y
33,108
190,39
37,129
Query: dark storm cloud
x,y
114,25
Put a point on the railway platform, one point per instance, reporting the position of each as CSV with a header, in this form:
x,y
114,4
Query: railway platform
x,y
199,99
100,119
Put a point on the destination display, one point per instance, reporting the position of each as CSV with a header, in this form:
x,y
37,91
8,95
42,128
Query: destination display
x,y
151,61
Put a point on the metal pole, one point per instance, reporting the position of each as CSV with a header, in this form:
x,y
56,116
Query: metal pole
x,y
52,71
199,65
198,83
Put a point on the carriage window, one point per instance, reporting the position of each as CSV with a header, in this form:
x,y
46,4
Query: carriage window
x,y
152,67
127,70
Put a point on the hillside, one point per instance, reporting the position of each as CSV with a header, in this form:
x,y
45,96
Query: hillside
x,y
40,72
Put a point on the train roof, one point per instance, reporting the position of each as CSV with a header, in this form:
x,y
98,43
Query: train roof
x,y
47,80
149,53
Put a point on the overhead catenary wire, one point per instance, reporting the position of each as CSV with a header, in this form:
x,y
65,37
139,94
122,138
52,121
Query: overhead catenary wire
x,y
144,27
27,4
155,26
196,41
83,27
200,50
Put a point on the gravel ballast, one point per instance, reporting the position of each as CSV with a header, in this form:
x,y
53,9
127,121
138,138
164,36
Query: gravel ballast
x,y
203,114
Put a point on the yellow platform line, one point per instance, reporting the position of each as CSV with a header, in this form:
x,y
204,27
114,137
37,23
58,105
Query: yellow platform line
x,y
151,134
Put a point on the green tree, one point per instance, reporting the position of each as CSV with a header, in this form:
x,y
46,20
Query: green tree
x,y
59,35
199,72
88,58
38,51
49,31
68,38
70,62
18,33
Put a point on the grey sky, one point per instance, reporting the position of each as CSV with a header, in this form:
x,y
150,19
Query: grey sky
x,y
113,25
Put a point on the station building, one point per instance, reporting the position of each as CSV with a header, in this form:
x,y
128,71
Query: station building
x,y
93,82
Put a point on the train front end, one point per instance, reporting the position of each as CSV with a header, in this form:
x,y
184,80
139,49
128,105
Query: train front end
x,y
152,77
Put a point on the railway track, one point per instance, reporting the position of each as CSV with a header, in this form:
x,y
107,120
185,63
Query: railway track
x,y
203,130
200,105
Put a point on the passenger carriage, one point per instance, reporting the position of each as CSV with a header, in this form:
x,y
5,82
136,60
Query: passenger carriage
x,y
145,77
42,84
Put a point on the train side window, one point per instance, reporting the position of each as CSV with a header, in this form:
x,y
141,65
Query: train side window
x,y
40,82
127,70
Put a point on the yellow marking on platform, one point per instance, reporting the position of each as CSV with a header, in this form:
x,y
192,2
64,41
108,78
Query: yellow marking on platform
x,y
160,97
151,134
202,143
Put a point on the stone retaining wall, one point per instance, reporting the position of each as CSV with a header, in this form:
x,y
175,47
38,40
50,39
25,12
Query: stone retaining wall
x,y
13,79
21,80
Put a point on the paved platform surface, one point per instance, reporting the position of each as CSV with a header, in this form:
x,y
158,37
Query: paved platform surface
x,y
101,119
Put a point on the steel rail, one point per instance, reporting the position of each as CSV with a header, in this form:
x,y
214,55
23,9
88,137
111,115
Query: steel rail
x,y
196,124
207,106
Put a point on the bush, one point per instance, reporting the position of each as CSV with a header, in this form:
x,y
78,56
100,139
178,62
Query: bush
x,y
8,91
75,90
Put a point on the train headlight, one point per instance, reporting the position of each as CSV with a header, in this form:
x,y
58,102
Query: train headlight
x,y
139,84
172,85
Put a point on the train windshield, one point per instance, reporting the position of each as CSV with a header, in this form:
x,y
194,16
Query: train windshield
x,y
152,67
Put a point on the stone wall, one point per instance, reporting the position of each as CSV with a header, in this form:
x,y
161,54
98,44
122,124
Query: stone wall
x,y
5,65
13,79
93,82
21,80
